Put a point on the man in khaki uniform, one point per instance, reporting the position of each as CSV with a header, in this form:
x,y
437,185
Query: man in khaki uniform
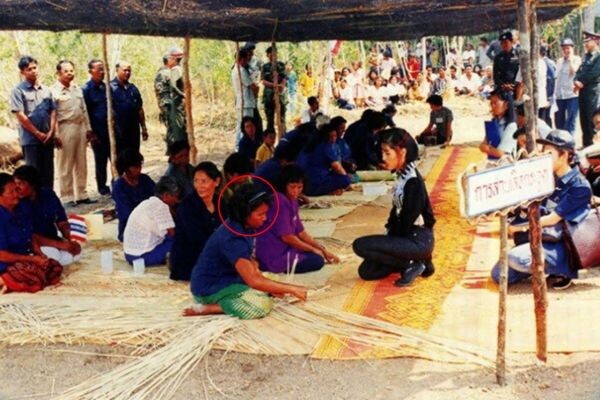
x,y
73,131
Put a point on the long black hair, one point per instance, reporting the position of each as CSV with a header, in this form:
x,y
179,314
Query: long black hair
x,y
247,198
29,174
398,138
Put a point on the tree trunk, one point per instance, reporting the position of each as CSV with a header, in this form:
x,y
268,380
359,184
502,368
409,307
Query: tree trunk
x,y
503,287
109,109
188,101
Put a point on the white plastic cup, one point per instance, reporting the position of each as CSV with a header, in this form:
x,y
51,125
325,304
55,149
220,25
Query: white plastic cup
x,y
106,261
139,267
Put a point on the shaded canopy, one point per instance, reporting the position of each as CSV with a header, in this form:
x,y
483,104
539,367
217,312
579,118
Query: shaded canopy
x,y
288,20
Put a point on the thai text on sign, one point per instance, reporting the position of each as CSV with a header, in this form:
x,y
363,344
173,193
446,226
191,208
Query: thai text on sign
x,y
508,185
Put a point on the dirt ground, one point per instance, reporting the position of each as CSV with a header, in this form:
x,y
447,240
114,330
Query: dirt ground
x,y
38,372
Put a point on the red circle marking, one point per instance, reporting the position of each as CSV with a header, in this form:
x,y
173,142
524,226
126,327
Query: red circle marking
x,y
237,178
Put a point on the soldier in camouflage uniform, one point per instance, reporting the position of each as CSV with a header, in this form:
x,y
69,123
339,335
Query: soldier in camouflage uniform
x,y
269,90
587,83
168,86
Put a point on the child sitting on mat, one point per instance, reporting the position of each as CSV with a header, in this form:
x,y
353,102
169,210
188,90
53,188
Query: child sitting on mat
x,y
226,278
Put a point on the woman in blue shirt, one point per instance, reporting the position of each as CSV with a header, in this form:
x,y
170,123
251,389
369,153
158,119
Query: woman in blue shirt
x,y
226,278
23,266
504,118
250,141
131,188
320,163
570,201
197,218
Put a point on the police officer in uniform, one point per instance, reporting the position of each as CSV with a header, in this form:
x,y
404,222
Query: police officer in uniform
x,y
506,67
587,84
269,91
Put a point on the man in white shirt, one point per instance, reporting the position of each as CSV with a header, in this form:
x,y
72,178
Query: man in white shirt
x,y
469,82
245,90
310,114
150,229
566,98
468,56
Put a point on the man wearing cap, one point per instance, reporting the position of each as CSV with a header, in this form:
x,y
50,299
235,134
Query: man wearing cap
x,y
128,109
587,84
168,86
506,67
271,88
566,97
570,202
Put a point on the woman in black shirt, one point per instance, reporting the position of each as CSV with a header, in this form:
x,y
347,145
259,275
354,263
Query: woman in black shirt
x,y
408,245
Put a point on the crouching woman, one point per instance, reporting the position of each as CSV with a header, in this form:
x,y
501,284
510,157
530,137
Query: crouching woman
x,y
408,245
570,201
226,278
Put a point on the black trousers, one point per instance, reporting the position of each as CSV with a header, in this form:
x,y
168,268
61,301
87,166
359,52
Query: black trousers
x,y
101,157
386,254
42,158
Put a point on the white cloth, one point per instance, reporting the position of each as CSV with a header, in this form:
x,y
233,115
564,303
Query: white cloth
x,y
63,257
377,96
472,85
147,226
249,98
347,94
468,54
507,142
308,115
565,74
482,57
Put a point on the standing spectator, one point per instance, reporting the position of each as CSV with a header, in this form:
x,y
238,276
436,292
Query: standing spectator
x,y
387,64
506,68
544,112
245,92
414,67
129,111
94,94
493,50
307,82
272,88
451,57
32,104
358,89
168,86
482,57
254,68
73,131
566,97
587,83
468,56
292,80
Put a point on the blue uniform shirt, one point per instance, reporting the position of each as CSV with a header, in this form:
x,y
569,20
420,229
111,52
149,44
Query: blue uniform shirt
x,y
128,197
35,102
47,211
248,147
16,230
127,102
215,268
571,197
95,101
269,170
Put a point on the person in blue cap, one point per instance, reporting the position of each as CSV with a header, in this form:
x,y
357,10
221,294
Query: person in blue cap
x,y
570,201
587,84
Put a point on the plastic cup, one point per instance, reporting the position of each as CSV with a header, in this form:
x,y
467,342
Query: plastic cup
x,y
139,267
106,261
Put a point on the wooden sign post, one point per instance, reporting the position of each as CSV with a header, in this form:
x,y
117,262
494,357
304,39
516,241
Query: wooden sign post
x,y
498,191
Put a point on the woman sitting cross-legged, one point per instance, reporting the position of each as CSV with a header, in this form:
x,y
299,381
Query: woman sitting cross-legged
x,y
227,278
23,266
408,245
197,218
320,163
48,215
150,229
570,201
286,241
131,188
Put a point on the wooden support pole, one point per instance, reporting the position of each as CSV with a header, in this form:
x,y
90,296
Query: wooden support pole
x,y
503,287
187,87
527,20
109,109
278,127
423,54
239,74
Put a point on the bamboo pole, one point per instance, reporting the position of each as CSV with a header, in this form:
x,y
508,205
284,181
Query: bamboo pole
x,y
239,73
109,109
275,75
423,55
503,287
189,117
527,19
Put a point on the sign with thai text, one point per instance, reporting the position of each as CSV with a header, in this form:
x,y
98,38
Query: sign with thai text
x,y
508,185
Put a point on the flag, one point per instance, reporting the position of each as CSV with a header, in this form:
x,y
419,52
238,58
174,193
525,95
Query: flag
x,y
78,228
334,47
